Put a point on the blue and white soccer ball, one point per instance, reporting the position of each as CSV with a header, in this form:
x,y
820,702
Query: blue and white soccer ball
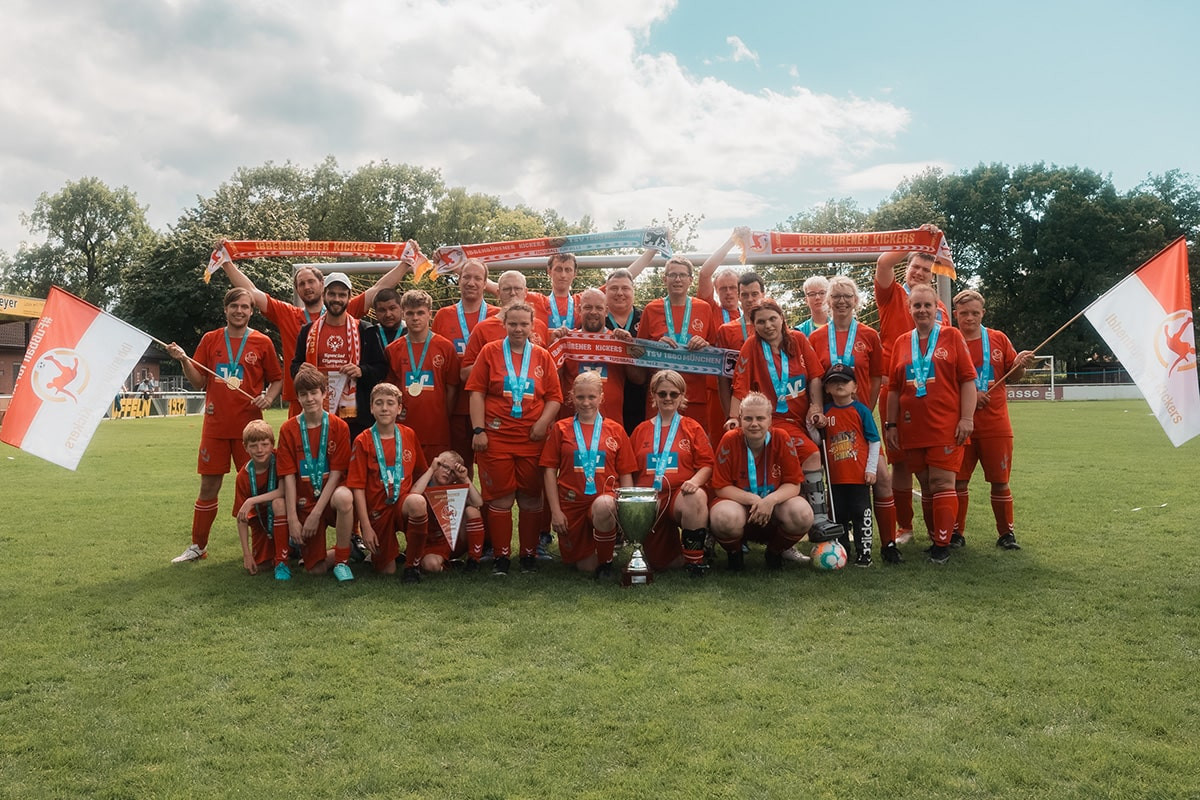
x,y
828,555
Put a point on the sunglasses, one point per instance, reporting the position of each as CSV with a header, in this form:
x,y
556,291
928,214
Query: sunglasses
x,y
664,395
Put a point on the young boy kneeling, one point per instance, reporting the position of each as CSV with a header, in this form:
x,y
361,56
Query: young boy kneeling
x,y
258,504
313,456
448,468
386,457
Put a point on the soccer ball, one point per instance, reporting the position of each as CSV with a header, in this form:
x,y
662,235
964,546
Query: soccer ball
x,y
828,555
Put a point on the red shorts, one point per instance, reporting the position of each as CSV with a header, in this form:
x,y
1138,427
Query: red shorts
x,y
215,454
994,453
580,539
436,543
804,446
502,473
947,458
385,521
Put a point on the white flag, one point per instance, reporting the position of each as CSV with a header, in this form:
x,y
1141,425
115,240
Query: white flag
x,y
1147,321
77,360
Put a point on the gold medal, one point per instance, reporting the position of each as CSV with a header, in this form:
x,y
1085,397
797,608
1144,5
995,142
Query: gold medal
x,y
233,382
414,389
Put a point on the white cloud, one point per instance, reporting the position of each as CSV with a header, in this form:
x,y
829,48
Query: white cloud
x,y
885,177
740,51
554,104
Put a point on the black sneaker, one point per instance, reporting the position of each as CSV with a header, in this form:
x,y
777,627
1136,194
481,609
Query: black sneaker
x,y
1008,541
736,560
774,561
358,549
697,570
939,553
958,540
411,575
891,554
864,559
603,571
488,554
529,564
470,565
500,566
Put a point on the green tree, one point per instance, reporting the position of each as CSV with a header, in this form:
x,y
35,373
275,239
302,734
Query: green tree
x,y
91,233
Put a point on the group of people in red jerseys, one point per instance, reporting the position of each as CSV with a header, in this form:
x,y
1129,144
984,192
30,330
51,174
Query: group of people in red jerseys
x,y
787,448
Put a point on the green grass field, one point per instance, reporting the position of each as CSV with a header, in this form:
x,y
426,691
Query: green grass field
x,y
1067,670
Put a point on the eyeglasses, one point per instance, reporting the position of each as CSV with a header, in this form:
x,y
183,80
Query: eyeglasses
x,y
814,294
841,297
665,395
678,276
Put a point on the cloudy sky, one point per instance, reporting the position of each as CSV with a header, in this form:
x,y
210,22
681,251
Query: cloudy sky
x,y
743,112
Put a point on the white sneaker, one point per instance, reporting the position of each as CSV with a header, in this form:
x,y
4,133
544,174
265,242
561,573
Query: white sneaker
x,y
193,553
792,554
904,537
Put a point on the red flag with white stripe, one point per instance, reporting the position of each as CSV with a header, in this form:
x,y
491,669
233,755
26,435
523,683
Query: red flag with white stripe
x,y
77,361
1147,321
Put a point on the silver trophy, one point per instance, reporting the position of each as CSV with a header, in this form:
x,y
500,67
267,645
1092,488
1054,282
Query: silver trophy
x,y
637,511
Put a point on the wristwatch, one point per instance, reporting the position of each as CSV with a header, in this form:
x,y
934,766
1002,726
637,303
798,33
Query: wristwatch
x,y
889,424
477,431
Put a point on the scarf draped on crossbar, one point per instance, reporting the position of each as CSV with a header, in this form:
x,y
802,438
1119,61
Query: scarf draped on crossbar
x,y
452,257
872,243
238,251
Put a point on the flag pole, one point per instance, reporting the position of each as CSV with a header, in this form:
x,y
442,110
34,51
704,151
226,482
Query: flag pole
x,y
164,346
1039,347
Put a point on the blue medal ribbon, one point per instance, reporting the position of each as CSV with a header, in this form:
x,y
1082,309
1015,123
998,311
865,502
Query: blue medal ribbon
x,y
390,476
662,454
752,470
922,363
461,345
415,370
847,356
234,367
588,457
628,326
780,385
683,337
516,382
383,337
314,468
558,320
983,374
271,484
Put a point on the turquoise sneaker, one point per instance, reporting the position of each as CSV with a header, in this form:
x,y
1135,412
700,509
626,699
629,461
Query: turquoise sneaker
x,y
342,572
283,572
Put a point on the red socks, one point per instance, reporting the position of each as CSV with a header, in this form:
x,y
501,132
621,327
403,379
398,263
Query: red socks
x,y
475,535
529,529
944,508
885,519
499,527
416,530
1002,509
279,534
204,513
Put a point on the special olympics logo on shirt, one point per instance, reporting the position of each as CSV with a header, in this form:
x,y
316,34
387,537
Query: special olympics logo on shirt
x,y
941,353
439,361
59,376
539,372
251,358
698,326
1175,343
408,455
684,445
611,443
335,343
776,471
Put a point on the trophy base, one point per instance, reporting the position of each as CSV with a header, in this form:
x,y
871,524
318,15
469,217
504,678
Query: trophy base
x,y
637,571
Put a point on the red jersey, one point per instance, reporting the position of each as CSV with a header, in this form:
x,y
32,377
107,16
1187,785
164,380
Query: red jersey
x,y
732,335
364,464
722,315
226,411
895,319
289,456
446,323
561,452
490,376
425,411
242,490
992,420
492,330
554,311
867,353
848,436
653,325
776,465
753,375
930,421
689,453
288,320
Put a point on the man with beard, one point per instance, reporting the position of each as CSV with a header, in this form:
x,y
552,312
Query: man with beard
x,y
347,350
613,377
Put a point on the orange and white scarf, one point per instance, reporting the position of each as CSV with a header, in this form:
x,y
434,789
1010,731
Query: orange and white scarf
x,y
869,243
258,248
